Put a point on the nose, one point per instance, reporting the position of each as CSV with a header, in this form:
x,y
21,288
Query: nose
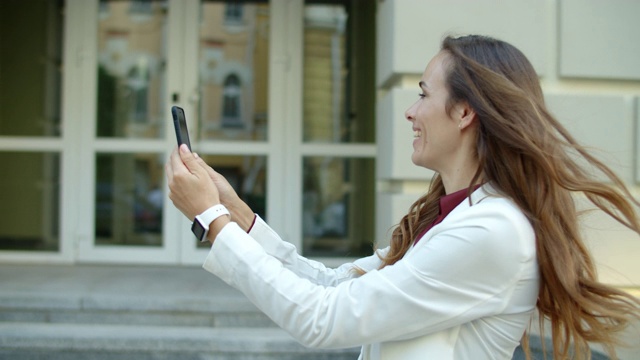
x,y
409,114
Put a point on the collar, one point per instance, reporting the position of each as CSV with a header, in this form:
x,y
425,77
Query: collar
x,y
450,201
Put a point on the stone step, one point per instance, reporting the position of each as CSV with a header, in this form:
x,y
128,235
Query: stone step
x,y
126,295
218,311
28,341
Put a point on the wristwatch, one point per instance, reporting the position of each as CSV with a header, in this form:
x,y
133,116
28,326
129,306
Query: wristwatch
x,y
200,226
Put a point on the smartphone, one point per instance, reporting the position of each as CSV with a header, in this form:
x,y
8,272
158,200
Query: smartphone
x,y
180,124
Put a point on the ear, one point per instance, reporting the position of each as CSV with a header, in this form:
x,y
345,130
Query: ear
x,y
465,115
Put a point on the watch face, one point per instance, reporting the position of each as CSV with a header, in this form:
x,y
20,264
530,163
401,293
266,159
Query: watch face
x,y
198,230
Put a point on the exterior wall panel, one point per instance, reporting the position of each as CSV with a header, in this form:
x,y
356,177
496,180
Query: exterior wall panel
x,y
603,123
410,31
588,27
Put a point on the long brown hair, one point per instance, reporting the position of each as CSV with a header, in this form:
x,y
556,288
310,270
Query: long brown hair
x,y
530,157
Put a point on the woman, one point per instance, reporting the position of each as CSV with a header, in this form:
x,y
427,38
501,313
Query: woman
x,y
495,238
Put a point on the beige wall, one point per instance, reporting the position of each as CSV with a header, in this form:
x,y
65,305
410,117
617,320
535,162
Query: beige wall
x,y
588,59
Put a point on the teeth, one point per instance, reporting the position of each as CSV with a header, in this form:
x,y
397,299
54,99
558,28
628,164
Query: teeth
x,y
417,134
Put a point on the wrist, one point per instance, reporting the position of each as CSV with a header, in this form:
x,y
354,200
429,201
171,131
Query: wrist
x,y
242,215
216,226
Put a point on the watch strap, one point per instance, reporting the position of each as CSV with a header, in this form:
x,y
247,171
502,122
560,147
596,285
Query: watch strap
x,y
206,218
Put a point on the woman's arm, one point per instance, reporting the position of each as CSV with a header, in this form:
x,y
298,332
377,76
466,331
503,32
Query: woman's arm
x,y
314,271
469,270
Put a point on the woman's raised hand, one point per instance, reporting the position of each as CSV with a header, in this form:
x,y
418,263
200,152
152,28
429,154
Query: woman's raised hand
x,y
191,189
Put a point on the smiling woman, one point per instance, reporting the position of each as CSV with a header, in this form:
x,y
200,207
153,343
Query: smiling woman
x,y
522,150
495,238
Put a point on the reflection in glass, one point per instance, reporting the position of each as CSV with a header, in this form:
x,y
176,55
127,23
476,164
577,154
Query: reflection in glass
x,y
30,67
339,72
30,193
234,68
247,175
338,206
131,68
129,199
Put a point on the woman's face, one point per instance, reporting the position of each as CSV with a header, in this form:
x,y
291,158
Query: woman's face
x,y
436,134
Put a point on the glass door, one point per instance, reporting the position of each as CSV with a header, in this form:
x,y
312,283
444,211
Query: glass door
x,y
209,57
131,56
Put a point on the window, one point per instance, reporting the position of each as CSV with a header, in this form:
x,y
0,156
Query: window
x,y
231,102
141,7
233,13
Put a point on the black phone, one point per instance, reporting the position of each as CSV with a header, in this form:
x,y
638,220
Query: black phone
x,y
180,124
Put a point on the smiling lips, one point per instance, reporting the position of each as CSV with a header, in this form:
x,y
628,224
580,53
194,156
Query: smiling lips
x,y
417,133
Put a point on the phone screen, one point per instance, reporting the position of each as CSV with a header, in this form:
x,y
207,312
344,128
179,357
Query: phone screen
x,y
180,124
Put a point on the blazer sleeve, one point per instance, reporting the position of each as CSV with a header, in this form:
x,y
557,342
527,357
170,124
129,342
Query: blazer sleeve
x,y
313,271
469,269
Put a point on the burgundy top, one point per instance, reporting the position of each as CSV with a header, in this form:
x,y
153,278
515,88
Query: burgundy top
x,y
447,204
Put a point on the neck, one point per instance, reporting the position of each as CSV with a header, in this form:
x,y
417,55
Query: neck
x,y
459,178
458,171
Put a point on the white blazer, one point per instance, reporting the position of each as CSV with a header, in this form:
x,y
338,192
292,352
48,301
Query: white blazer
x,y
467,290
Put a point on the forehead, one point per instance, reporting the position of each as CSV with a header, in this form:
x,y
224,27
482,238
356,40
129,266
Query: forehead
x,y
436,70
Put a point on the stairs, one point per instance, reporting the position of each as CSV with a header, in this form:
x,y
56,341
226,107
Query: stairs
x,y
108,312
133,312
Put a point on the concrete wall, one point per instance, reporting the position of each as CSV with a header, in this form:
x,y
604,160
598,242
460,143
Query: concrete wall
x,y
588,59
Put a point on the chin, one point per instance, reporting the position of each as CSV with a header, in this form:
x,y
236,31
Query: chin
x,y
418,162
421,163
414,160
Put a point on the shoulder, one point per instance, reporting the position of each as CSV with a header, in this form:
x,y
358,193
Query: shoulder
x,y
491,222
488,204
498,208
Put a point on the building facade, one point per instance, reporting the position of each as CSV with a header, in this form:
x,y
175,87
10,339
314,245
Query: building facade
x,y
300,104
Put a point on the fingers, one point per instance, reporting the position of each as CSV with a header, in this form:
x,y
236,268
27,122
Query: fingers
x,y
182,162
200,161
190,188
205,166
176,163
189,160
168,166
